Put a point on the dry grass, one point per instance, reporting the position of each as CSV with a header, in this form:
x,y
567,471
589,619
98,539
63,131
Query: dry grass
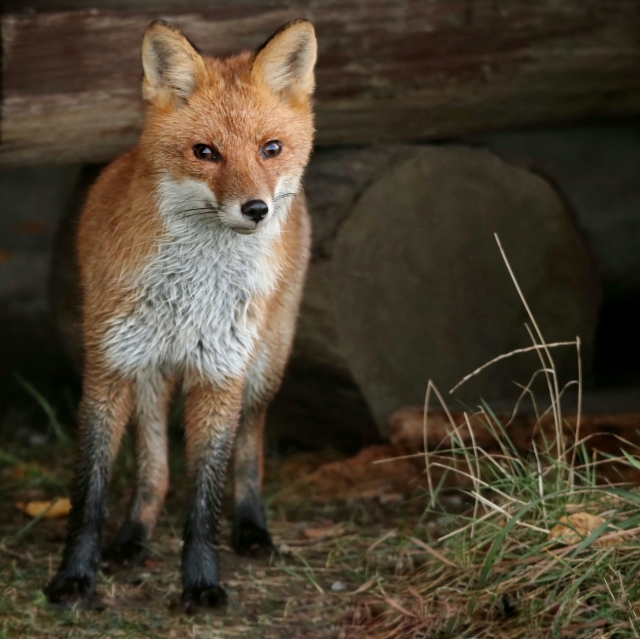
x,y
494,572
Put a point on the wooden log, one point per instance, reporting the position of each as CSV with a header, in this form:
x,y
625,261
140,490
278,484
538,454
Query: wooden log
x,y
407,283
388,70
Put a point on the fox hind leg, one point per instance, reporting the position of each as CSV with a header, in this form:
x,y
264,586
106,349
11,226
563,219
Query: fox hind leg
x,y
249,528
249,534
153,397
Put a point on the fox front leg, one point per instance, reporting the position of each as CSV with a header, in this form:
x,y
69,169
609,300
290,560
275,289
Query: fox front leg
x,y
104,411
211,420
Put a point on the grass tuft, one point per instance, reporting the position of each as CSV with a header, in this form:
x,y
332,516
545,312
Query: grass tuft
x,y
517,564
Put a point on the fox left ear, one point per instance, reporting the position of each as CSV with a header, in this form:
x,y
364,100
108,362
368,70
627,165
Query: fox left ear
x,y
172,65
285,62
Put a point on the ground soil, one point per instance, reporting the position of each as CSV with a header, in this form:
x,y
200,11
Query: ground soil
x,y
321,529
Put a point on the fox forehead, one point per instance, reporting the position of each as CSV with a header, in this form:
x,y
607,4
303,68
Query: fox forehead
x,y
229,109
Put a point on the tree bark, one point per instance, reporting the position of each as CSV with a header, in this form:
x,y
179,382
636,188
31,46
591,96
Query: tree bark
x,y
389,70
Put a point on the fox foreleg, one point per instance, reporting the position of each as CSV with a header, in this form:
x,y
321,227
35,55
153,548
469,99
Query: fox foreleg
x,y
103,414
211,420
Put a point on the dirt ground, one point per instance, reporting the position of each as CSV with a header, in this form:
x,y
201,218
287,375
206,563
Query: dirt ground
x,y
314,585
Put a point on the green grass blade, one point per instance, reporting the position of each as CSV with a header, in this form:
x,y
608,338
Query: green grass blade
x,y
61,436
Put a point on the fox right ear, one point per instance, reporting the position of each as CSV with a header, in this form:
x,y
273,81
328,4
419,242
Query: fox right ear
x,y
172,65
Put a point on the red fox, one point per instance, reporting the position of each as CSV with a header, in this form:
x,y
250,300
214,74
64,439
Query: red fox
x,y
192,251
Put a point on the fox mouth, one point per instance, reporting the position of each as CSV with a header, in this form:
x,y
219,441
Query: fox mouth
x,y
243,230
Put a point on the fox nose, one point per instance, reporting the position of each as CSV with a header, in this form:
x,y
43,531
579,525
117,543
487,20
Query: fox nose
x,y
255,210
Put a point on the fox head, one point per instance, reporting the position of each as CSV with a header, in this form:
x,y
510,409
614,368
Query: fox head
x,y
227,140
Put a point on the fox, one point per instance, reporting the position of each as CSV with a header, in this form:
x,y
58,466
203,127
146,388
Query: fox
x,y
192,250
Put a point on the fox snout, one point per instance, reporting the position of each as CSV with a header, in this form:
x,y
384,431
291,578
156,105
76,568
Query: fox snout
x,y
255,210
248,215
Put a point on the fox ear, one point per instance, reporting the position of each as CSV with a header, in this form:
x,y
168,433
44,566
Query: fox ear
x,y
285,62
171,64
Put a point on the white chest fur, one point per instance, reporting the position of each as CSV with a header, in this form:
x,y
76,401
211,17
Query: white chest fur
x,y
195,302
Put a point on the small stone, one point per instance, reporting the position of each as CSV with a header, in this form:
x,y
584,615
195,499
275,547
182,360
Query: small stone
x,y
338,586
37,439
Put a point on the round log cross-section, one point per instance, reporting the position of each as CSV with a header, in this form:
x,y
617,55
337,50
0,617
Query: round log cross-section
x,y
421,292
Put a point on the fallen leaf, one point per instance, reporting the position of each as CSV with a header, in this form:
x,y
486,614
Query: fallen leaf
x,y
20,471
17,472
59,507
574,528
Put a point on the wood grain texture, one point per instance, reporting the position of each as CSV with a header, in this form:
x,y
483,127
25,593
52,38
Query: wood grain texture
x,y
388,70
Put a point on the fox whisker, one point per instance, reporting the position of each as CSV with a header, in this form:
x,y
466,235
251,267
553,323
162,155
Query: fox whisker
x,y
183,215
283,195
202,208
211,214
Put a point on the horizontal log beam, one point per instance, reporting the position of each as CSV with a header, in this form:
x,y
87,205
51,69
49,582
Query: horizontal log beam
x,y
389,70
51,6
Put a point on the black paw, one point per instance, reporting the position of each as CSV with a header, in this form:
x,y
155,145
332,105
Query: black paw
x,y
249,540
202,596
71,588
129,548
130,553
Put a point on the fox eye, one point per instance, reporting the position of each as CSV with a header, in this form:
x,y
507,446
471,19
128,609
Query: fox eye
x,y
271,149
206,152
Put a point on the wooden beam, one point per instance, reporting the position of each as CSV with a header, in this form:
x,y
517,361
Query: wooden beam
x,y
52,6
389,70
